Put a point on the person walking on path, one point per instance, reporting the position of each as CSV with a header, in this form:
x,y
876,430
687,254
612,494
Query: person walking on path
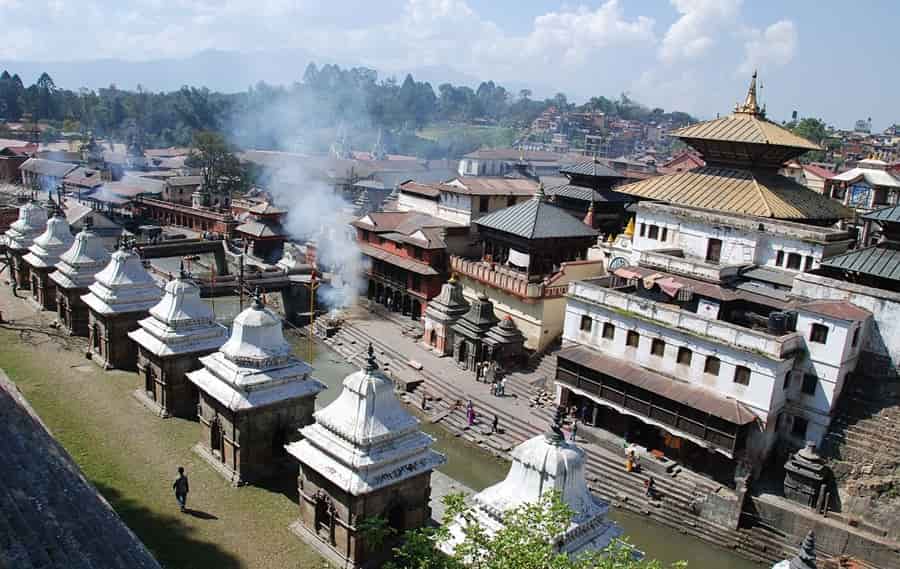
x,y
470,413
650,485
574,430
424,401
501,388
181,488
494,424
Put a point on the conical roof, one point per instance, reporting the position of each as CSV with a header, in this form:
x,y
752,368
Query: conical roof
x,y
450,304
806,555
366,439
124,285
479,319
50,244
257,338
180,323
31,223
505,332
255,367
540,465
84,259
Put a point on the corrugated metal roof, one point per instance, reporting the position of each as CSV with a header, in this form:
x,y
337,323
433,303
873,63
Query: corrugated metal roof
x,y
44,167
536,219
587,194
699,398
872,176
593,168
745,128
490,186
738,191
886,214
876,261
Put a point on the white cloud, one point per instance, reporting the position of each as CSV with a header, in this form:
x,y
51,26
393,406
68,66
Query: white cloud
x,y
773,46
697,30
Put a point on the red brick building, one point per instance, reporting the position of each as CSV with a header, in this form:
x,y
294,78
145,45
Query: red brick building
x,y
408,254
196,219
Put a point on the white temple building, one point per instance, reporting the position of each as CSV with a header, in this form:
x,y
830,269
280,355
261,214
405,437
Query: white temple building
x,y
540,465
20,236
43,255
74,273
364,457
122,294
254,396
181,328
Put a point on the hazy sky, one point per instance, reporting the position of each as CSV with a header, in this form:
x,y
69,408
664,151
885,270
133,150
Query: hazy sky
x,y
821,57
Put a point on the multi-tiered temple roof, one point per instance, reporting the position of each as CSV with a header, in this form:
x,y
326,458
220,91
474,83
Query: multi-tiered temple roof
x,y
84,259
743,152
51,244
365,440
124,285
255,367
31,223
450,304
541,465
181,323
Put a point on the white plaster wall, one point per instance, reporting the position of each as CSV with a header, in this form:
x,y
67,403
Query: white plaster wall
x,y
764,394
411,202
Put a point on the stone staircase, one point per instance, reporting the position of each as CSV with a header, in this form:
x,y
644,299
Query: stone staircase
x,y
604,469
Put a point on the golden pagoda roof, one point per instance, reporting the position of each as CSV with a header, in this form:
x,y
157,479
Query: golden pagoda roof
x,y
739,191
748,125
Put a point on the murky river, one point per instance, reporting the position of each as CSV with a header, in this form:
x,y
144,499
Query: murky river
x,y
656,541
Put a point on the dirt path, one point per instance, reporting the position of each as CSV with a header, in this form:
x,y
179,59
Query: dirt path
x,y
131,456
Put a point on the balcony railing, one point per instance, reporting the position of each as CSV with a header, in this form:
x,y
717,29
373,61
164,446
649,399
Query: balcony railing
x,y
503,278
768,345
665,261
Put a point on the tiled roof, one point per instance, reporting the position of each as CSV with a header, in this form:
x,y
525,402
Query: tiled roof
x,y
405,222
490,186
738,191
427,190
746,128
593,168
840,309
515,154
886,214
258,229
875,261
84,177
50,515
819,171
536,219
185,181
397,260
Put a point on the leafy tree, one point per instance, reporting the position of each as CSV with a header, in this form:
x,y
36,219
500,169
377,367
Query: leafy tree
x,y
526,541
216,158
811,129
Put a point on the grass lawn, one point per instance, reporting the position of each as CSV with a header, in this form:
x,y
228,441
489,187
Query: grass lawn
x,y
131,456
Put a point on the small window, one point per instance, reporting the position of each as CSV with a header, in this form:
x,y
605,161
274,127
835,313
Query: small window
x,y
793,261
665,234
711,366
779,258
510,201
855,339
643,229
632,339
483,203
807,263
799,428
417,252
684,356
657,347
810,381
654,232
742,375
609,331
818,334
586,323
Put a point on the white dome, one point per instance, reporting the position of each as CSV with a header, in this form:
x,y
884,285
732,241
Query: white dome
x,y
257,339
124,285
77,266
181,304
50,244
31,222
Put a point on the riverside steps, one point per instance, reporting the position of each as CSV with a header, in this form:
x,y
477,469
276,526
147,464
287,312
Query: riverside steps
x,y
410,364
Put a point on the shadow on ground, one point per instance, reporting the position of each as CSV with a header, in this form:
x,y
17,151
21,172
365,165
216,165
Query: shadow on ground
x,y
168,537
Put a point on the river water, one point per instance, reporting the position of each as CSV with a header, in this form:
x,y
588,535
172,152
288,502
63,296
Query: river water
x,y
478,469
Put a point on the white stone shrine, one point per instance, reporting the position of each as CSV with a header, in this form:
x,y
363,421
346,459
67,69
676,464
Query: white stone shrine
x,y
74,273
43,256
20,236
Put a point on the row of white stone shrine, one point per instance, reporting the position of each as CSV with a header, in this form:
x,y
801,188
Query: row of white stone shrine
x,y
360,457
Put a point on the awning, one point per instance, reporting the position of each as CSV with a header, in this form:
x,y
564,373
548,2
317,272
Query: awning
x,y
670,286
650,280
626,273
518,258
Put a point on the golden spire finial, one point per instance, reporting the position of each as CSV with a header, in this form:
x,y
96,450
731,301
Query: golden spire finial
x,y
629,230
750,105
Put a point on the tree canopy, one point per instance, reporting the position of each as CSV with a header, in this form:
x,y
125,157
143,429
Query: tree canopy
x,y
525,541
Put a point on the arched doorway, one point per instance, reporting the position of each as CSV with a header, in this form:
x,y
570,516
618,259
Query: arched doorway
x,y
463,352
432,338
95,339
215,439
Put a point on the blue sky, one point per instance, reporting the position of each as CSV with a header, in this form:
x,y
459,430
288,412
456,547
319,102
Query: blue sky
x,y
822,58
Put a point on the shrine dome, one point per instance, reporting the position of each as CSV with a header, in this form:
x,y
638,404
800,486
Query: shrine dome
x,y
77,266
256,338
47,248
124,285
181,303
31,222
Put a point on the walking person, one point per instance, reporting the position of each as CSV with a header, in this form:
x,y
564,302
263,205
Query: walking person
x,y
470,413
494,424
501,391
181,488
424,401
574,430
650,485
